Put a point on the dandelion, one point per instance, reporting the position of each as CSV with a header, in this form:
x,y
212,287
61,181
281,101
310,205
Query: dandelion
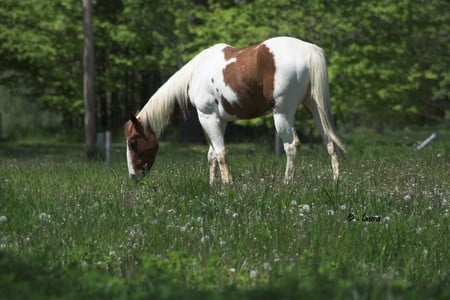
x,y
112,253
343,207
267,266
305,208
234,215
407,197
330,212
232,270
44,217
183,229
3,219
253,274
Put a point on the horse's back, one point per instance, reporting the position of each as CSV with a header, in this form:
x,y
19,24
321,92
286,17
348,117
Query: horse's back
x,y
248,82
288,43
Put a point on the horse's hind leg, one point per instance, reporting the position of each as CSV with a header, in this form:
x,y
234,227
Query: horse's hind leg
x,y
291,143
292,150
334,160
313,109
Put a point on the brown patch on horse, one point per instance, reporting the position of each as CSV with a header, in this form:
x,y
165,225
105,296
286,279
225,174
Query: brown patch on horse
x,y
251,77
142,143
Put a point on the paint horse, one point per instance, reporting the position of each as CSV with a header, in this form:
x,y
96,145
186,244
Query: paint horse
x,y
222,84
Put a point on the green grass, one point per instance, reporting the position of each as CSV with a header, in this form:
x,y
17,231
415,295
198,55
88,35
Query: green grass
x,y
71,229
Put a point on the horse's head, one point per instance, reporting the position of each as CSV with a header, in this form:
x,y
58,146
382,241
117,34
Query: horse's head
x,y
142,146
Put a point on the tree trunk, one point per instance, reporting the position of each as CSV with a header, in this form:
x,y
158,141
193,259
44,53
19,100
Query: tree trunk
x,y
88,84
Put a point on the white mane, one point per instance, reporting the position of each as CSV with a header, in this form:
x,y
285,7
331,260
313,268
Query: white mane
x,y
159,109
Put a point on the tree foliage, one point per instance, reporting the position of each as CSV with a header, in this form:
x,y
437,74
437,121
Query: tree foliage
x,y
389,61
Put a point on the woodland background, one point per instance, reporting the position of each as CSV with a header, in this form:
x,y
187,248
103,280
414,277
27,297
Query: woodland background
x,y
389,61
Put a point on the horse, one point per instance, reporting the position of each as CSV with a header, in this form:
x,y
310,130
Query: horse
x,y
223,83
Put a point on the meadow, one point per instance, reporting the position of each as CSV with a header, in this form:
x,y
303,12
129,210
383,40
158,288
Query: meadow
x,y
71,229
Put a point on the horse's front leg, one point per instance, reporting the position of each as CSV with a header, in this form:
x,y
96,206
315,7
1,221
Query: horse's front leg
x,y
214,129
223,166
212,165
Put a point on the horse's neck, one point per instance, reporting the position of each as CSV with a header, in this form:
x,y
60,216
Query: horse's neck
x,y
169,101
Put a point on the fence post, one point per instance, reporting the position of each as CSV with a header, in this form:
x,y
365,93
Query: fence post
x,y
432,137
108,147
101,144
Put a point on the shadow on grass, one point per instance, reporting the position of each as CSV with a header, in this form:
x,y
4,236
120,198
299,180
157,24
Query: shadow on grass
x,y
25,280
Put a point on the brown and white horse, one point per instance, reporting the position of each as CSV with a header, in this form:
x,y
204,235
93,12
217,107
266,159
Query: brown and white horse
x,y
223,84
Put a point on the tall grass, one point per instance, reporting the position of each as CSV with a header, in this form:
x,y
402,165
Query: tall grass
x,y
171,235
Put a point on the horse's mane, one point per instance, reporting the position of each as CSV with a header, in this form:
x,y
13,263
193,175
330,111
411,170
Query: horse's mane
x,y
158,111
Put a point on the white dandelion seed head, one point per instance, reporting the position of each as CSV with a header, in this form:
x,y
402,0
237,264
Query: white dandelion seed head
x,y
253,274
3,218
305,208
44,216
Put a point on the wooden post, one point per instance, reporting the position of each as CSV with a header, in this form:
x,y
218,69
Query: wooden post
x,y
108,147
432,137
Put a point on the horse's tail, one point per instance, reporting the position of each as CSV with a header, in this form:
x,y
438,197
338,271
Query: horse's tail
x,y
321,96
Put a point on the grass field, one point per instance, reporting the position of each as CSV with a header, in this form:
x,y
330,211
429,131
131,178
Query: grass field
x,y
76,230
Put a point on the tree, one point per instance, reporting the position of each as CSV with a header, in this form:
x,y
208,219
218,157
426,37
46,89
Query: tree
x,y
88,86
388,61
40,46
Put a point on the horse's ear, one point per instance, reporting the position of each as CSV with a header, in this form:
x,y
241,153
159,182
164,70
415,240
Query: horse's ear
x,y
133,119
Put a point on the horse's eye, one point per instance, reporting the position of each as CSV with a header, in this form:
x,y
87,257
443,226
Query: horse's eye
x,y
132,144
